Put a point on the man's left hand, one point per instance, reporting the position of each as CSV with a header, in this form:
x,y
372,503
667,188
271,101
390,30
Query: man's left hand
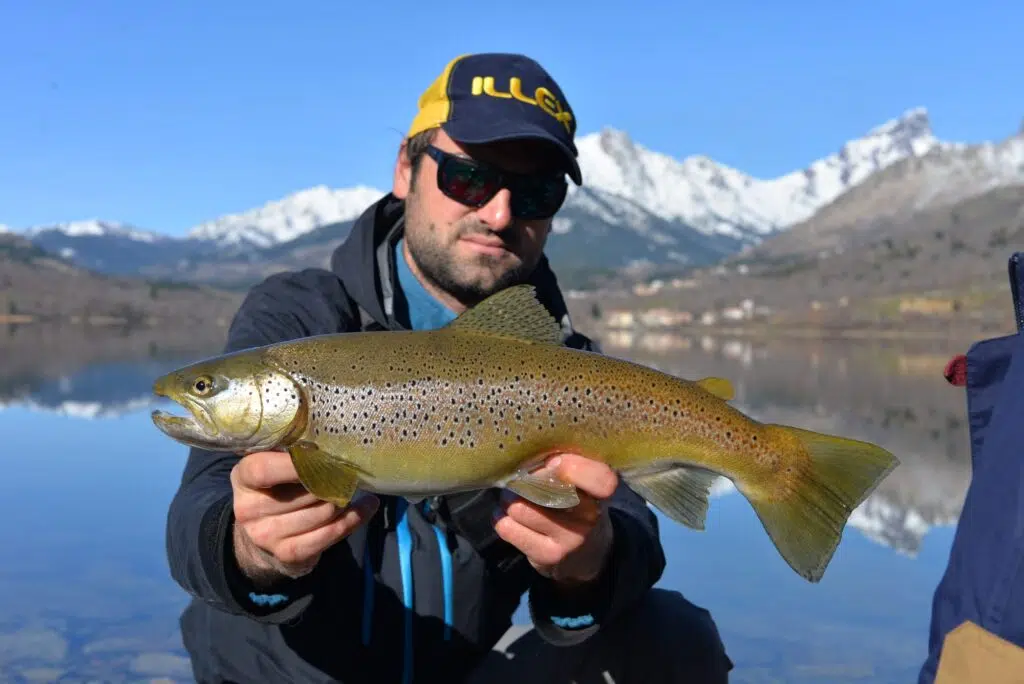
x,y
570,546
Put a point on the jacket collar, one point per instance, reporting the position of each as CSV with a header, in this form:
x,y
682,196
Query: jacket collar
x,y
364,262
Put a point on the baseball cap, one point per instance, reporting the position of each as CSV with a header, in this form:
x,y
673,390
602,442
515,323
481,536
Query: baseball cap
x,y
489,97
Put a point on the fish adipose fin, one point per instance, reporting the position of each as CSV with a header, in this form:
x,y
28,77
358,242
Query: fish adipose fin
x,y
720,387
514,312
323,475
805,514
680,492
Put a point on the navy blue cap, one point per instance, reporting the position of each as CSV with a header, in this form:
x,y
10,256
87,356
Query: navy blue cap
x,y
490,97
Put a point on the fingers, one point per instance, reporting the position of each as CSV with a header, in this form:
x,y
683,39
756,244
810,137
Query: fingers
x,y
265,469
280,522
267,531
301,548
552,521
539,548
549,537
282,499
593,477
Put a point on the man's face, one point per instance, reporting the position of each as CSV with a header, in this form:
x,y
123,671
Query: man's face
x,y
471,253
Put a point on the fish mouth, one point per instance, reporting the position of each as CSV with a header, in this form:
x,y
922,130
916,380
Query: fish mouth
x,y
196,428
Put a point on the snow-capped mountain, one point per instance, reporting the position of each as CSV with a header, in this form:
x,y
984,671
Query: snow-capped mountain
x,y
947,175
114,248
286,219
97,228
717,199
621,231
639,205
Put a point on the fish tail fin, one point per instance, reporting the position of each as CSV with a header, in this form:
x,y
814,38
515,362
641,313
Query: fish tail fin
x,y
806,509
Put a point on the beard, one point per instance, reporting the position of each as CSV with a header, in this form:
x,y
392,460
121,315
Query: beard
x,y
467,279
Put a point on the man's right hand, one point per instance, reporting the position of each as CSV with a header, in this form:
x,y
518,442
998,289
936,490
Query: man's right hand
x,y
280,528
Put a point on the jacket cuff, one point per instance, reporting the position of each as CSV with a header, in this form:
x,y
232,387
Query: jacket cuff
x,y
567,618
282,602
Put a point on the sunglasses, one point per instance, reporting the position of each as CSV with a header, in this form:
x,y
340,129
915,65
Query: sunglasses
x,y
474,184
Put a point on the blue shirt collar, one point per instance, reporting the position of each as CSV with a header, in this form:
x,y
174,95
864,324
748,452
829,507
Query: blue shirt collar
x,y
425,311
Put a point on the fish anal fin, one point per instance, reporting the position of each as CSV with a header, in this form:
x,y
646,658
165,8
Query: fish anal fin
x,y
680,492
325,476
544,489
720,387
513,312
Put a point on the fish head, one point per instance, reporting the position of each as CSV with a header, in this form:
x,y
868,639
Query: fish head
x,y
235,403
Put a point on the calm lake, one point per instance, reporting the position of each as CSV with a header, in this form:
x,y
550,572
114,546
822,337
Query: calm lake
x,y
84,589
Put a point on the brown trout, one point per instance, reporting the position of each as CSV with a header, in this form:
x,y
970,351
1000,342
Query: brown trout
x,y
486,399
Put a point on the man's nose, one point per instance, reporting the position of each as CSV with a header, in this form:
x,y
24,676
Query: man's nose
x,y
497,213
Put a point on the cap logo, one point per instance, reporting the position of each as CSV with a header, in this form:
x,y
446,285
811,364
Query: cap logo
x,y
542,97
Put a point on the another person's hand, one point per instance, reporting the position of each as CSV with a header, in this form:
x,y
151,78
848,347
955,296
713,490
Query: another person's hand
x,y
570,546
280,528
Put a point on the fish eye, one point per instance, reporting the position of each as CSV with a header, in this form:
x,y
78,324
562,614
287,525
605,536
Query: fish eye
x,y
203,385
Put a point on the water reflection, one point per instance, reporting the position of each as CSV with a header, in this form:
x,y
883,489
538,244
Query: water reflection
x,y
84,591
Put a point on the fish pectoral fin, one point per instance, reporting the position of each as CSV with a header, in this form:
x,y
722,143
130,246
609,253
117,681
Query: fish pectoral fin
x,y
720,387
680,492
325,476
513,312
544,490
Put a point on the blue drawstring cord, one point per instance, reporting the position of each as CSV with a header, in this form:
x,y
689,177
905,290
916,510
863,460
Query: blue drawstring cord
x,y
405,565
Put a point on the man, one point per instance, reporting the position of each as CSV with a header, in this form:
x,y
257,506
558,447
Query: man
x,y
291,589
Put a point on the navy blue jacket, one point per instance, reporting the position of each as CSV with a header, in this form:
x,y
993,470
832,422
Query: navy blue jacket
x,y
984,579
420,590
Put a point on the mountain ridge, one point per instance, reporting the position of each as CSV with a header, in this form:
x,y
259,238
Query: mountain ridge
x,y
638,208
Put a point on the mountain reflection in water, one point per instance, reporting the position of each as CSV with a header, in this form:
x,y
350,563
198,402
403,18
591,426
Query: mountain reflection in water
x,y
84,590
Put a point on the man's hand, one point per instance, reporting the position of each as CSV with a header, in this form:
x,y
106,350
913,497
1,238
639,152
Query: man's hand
x,y
280,528
570,546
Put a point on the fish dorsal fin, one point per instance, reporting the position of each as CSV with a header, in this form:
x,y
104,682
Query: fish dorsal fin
x,y
720,387
513,312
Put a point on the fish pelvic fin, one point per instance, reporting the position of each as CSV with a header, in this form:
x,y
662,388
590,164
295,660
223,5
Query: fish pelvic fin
x,y
323,475
680,492
514,312
720,387
806,512
544,489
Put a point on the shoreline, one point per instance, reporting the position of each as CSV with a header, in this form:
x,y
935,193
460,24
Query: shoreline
x,y
146,323
806,331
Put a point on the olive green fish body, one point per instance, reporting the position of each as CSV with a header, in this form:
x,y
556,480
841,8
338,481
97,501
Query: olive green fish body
x,y
437,410
482,401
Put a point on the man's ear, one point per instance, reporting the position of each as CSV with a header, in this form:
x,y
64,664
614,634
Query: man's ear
x,y
403,172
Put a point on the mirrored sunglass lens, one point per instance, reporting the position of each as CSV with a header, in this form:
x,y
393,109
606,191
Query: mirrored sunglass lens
x,y
469,183
539,198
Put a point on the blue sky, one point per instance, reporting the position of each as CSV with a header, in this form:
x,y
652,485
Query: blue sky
x,y
165,116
